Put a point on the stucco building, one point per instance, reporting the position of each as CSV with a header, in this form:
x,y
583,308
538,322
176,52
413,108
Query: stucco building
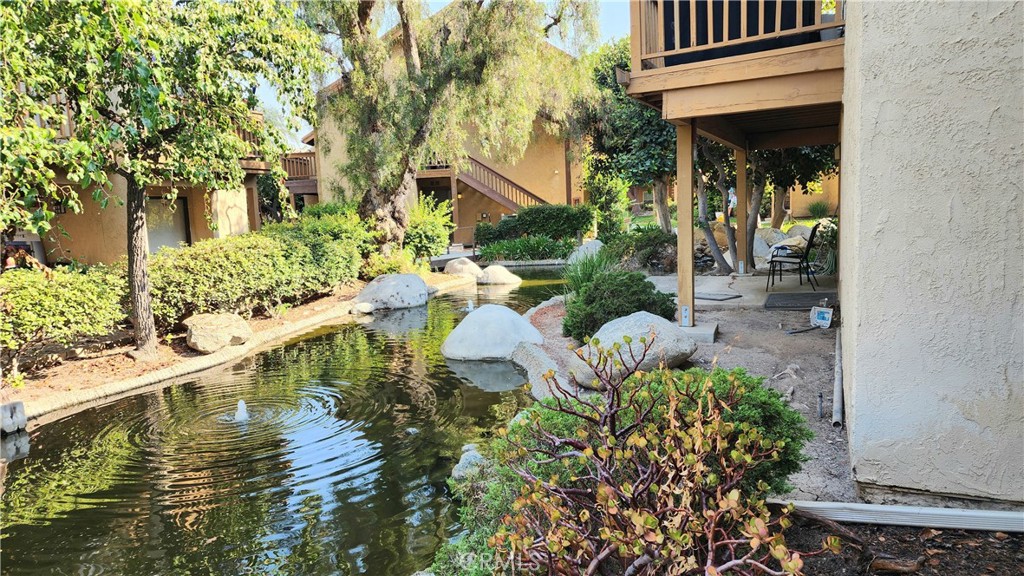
x,y
926,102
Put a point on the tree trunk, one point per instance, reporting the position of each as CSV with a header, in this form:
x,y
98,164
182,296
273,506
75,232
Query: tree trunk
x,y
661,212
779,207
757,193
389,210
702,217
138,273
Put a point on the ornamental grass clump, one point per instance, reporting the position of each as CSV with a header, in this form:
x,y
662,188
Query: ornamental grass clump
x,y
655,474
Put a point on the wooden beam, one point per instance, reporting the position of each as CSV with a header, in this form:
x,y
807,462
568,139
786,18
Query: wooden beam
x,y
793,138
794,60
635,36
742,200
825,87
722,131
685,135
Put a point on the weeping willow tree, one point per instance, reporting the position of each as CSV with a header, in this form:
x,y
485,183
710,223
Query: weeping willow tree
x,y
422,86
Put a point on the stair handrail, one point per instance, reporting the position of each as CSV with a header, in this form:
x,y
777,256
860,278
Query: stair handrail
x,y
520,190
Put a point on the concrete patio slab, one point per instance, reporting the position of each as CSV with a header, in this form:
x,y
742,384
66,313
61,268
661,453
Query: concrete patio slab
x,y
749,288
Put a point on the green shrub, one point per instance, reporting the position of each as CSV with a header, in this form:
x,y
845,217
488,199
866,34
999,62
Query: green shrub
x,y
645,248
397,262
557,221
336,238
818,209
527,248
36,310
613,295
242,274
430,227
485,233
610,197
671,469
583,271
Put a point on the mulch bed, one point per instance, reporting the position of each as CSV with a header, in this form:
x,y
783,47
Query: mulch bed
x,y
923,551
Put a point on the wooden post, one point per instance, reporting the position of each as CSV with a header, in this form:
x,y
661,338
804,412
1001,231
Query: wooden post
x,y
636,38
455,204
742,201
685,134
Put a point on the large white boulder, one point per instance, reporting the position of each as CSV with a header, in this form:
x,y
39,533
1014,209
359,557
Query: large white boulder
x,y
761,248
497,274
771,235
586,249
491,332
671,344
392,292
799,230
462,267
208,333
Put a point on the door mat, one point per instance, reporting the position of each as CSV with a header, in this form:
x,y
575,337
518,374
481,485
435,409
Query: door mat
x,y
716,296
797,300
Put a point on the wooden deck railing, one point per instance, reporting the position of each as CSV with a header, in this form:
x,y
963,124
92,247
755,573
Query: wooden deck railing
x,y
299,165
671,32
500,184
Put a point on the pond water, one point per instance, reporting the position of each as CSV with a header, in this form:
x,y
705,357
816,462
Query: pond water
x,y
340,467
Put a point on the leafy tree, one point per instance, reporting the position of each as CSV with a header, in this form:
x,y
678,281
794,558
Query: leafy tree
x,y
157,91
415,89
629,139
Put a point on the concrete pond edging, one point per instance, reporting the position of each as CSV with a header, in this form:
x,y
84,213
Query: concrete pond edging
x,y
75,400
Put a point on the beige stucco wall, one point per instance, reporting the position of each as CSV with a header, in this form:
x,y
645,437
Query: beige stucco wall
x,y
100,235
932,246
798,201
330,157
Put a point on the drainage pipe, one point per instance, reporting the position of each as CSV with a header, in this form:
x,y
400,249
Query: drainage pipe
x,y
918,516
837,387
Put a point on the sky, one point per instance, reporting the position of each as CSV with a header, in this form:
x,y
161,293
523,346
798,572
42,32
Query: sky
x,y
613,23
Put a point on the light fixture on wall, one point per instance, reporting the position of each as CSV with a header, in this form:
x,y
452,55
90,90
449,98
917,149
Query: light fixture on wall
x,y
458,195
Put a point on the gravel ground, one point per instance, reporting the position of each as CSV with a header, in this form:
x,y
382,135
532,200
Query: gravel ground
x,y
752,339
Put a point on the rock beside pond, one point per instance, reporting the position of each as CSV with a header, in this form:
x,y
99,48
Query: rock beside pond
x,y
208,333
497,274
491,332
771,236
462,267
393,292
761,248
672,346
799,230
586,249
470,463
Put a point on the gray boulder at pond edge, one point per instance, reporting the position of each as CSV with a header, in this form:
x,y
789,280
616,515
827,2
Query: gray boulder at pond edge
x,y
208,333
586,249
393,291
470,462
671,344
491,332
497,274
462,267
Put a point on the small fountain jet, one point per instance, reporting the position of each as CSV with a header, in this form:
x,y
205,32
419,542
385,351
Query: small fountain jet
x,y
241,414
469,306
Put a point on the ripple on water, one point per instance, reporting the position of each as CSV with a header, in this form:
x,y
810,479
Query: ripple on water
x,y
340,467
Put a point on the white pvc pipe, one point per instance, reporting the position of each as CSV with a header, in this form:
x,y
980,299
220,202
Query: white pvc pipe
x,y
920,516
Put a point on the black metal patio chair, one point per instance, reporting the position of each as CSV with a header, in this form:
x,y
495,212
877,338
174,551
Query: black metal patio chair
x,y
784,257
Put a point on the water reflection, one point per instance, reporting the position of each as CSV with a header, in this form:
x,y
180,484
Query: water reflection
x,y
339,469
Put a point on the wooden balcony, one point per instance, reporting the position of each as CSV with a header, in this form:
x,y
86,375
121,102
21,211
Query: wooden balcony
x,y
757,73
301,170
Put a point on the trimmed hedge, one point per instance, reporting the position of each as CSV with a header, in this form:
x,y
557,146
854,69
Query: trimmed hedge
x,y
556,221
68,305
527,248
609,296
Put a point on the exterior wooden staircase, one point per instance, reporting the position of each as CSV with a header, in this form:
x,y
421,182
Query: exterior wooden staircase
x,y
487,181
